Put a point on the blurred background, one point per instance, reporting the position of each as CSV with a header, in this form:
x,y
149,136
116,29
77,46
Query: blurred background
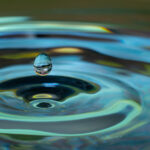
x,y
131,14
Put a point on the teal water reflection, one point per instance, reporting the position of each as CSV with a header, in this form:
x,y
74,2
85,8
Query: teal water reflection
x,y
97,93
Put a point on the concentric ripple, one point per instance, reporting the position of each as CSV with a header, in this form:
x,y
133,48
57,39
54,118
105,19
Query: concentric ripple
x,y
98,86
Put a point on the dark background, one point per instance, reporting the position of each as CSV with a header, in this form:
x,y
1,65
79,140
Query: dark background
x,y
131,14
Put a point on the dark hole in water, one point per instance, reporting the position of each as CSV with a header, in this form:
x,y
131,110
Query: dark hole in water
x,y
58,88
44,105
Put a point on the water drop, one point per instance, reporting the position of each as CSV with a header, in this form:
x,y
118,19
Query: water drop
x,y
42,64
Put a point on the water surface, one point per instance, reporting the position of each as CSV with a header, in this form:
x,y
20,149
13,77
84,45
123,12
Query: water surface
x,y
95,97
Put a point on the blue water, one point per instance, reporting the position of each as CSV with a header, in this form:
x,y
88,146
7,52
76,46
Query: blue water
x,y
95,97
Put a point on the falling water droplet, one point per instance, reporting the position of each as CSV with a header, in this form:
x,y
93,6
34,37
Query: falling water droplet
x,y
42,64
